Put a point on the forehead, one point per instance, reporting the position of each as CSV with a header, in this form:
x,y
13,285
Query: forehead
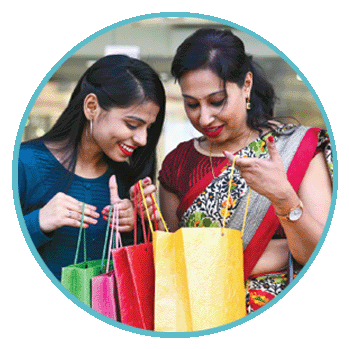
x,y
200,83
146,111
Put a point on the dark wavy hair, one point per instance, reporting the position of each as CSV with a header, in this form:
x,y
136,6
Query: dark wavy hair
x,y
117,81
224,54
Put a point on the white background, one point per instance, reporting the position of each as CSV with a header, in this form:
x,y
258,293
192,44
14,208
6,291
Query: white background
x,y
35,35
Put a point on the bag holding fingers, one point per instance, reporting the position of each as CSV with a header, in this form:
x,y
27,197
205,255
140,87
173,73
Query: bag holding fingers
x,y
76,278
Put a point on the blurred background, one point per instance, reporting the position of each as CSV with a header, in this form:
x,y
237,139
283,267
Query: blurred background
x,y
155,41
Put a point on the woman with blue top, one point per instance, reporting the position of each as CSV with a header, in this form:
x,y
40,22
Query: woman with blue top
x,y
103,142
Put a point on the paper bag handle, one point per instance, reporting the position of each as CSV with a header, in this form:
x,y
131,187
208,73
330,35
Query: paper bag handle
x,y
81,231
147,211
229,196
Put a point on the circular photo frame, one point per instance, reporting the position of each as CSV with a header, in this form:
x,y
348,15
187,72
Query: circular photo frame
x,y
154,39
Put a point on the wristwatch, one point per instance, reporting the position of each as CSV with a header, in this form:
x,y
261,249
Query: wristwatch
x,y
294,214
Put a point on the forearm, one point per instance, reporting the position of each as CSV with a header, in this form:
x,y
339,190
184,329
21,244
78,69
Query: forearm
x,y
302,236
32,223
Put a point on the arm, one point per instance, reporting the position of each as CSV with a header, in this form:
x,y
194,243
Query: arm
x,y
169,203
268,178
315,192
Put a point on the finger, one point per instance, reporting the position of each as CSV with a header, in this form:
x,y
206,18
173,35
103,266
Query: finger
x,y
74,223
76,206
124,204
273,153
145,182
113,188
125,221
78,216
125,228
150,189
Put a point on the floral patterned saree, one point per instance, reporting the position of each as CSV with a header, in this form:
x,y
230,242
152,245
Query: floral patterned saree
x,y
207,202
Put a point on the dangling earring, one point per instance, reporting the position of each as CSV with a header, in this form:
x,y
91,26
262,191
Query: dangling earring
x,y
248,104
89,136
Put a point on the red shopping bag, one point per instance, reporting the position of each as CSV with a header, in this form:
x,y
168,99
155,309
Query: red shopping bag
x,y
135,277
103,287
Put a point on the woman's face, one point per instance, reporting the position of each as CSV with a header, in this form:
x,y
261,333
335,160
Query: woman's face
x,y
120,131
220,114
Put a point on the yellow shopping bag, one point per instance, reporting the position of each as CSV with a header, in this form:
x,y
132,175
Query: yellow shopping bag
x,y
199,279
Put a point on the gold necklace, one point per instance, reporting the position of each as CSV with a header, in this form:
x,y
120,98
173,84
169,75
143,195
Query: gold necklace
x,y
212,170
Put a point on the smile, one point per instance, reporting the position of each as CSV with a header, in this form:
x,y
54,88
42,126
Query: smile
x,y
126,149
213,131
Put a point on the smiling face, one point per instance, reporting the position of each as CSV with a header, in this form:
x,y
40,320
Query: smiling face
x,y
217,112
119,131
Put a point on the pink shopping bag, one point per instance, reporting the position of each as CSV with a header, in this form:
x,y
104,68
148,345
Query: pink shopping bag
x,y
104,287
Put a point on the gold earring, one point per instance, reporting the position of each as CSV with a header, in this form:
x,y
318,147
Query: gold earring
x,y
248,104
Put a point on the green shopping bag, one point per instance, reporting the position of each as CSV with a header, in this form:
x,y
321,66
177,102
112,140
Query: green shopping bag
x,y
76,278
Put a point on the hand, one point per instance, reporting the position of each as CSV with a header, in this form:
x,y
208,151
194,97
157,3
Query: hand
x,y
126,211
64,210
266,176
148,189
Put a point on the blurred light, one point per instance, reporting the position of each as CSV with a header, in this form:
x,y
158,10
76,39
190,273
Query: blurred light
x,y
298,78
39,132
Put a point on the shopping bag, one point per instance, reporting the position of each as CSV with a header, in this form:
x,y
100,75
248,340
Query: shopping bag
x,y
103,287
76,278
134,272
199,280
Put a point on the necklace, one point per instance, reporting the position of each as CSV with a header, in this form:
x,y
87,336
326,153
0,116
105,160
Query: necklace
x,y
211,163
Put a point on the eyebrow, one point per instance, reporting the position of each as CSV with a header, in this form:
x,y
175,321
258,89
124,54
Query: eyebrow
x,y
136,118
210,95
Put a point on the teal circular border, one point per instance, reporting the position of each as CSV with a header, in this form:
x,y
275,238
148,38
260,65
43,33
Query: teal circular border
x,y
34,250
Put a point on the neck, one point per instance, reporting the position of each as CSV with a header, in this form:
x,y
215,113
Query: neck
x,y
235,144
91,162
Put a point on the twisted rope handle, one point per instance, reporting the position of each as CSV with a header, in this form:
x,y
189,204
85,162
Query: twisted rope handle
x,y
147,211
229,196
81,231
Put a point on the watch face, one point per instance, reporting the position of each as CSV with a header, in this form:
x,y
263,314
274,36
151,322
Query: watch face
x,y
296,214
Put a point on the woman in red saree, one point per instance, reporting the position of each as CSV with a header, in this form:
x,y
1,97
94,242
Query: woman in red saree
x,y
287,167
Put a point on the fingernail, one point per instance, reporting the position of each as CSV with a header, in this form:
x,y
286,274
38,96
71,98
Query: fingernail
x,y
271,139
146,181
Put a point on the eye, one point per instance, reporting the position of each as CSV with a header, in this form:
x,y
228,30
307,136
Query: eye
x,y
218,103
192,105
131,127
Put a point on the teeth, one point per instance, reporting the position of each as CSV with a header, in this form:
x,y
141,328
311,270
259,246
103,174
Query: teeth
x,y
213,129
130,150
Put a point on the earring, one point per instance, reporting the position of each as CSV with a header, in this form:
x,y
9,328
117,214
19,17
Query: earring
x,y
248,104
89,136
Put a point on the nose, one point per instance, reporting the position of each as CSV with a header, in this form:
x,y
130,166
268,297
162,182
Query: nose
x,y
206,116
140,137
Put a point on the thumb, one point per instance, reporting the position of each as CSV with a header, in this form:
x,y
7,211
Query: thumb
x,y
113,188
273,152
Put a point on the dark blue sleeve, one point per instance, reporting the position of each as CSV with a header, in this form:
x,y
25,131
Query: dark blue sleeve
x,y
31,219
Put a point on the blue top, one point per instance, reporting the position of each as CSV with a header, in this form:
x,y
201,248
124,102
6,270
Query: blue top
x,y
40,177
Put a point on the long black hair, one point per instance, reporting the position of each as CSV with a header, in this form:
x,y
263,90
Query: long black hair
x,y
117,81
224,54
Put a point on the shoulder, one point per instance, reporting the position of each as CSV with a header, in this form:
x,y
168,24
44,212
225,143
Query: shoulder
x,y
181,150
29,152
35,157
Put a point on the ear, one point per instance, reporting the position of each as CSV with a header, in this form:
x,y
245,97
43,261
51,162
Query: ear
x,y
248,83
91,106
